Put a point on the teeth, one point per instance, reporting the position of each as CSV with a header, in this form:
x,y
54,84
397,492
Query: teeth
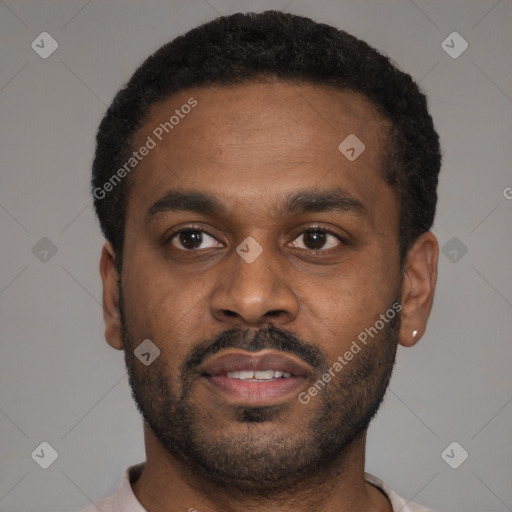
x,y
267,374
259,375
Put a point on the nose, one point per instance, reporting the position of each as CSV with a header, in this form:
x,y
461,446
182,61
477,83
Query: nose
x,y
252,294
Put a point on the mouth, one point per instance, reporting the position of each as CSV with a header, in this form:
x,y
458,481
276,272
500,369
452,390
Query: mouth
x,y
257,379
258,375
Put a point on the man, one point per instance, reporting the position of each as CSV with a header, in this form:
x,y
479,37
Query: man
x,y
266,185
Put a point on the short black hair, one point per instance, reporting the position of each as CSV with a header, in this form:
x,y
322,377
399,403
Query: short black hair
x,y
274,45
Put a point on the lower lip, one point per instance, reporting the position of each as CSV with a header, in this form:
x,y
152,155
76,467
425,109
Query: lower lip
x,y
256,393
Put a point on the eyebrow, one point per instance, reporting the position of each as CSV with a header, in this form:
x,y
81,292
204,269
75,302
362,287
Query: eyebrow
x,y
302,201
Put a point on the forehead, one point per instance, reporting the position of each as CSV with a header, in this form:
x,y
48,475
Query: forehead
x,y
244,140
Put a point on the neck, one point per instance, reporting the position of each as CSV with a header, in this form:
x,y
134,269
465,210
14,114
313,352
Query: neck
x,y
168,485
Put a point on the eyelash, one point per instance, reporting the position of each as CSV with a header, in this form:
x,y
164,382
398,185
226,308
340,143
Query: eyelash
x,y
318,227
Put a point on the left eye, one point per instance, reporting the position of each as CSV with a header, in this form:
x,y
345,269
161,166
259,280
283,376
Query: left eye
x,y
315,239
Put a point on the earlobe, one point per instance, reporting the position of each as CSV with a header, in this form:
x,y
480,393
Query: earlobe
x,y
111,315
418,288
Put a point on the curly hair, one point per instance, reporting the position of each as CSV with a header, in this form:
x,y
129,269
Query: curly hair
x,y
249,47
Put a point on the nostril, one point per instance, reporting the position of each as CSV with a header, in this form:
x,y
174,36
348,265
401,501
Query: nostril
x,y
274,314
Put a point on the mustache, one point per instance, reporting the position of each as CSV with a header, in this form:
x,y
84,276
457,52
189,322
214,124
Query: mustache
x,y
268,337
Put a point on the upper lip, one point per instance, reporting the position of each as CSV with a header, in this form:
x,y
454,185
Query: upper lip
x,y
238,360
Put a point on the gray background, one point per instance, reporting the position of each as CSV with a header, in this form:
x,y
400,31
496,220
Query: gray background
x,y
59,380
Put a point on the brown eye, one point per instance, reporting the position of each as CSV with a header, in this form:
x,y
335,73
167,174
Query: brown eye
x,y
191,239
316,239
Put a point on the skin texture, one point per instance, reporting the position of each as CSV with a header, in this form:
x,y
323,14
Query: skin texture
x,y
250,146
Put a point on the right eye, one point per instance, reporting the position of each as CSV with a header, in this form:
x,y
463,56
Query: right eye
x,y
192,239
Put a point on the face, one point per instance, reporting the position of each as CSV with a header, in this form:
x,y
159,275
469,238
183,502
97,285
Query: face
x,y
256,254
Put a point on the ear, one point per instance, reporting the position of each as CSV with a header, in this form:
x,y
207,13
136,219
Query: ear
x,y
418,287
109,278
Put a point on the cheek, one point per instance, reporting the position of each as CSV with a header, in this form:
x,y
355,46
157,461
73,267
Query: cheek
x,y
163,306
347,303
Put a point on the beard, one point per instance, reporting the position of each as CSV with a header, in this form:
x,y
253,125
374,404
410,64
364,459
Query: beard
x,y
265,455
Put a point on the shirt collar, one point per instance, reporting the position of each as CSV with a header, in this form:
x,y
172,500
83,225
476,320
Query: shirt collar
x,y
126,501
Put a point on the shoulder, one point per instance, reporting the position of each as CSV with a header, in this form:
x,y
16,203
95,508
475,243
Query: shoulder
x,y
398,503
104,505
124,499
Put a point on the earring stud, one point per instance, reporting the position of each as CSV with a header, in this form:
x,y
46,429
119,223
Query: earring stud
x,y
414,333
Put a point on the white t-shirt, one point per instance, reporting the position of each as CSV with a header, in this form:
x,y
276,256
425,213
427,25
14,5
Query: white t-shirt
x,y
125,501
